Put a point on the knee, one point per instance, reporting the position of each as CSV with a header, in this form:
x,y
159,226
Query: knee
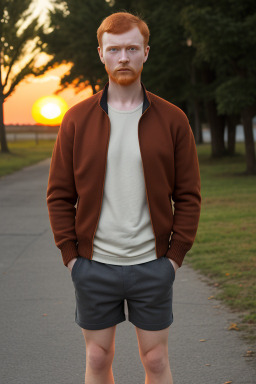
x,y
98,358
156,360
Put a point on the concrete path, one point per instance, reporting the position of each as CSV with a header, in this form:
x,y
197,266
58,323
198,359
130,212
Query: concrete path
x,y
42,344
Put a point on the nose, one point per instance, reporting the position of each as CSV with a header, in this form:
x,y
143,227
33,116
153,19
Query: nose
x,y
123,57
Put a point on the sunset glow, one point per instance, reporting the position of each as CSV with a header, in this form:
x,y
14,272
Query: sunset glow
x,y
49,110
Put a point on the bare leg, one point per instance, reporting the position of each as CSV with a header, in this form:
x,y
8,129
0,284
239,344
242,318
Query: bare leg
x,y
153,350
100,350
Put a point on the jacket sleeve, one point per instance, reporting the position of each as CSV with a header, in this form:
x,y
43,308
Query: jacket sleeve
x,y
186,195
61,192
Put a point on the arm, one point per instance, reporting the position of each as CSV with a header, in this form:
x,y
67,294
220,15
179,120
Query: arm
x,y
61,192
186,195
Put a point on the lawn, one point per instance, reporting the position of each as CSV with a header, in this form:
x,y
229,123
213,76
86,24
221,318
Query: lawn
x,y
225,246
23,153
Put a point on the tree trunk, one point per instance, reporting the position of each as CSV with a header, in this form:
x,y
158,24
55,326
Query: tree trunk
x,y
216,122
92,84
217,127
4,146
232,122
198,126
196,108
247,116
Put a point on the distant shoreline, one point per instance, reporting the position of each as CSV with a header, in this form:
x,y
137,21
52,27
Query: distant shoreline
x,y
31,128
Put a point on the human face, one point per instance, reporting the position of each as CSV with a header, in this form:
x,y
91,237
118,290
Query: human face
x,y
123,55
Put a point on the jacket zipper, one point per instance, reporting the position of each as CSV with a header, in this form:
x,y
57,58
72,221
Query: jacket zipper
x,y
145,179
103,183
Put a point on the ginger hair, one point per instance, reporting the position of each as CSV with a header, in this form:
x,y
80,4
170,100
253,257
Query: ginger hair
x,y
121,22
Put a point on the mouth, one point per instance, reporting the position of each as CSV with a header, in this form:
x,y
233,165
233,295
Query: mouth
x,y
123,70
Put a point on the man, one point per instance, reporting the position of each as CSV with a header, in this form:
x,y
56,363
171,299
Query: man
x,y
121,158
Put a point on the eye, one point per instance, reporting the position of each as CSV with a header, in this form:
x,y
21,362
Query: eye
x,y
132,48
112,49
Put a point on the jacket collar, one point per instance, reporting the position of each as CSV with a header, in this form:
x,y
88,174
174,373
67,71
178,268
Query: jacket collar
x,y
104,104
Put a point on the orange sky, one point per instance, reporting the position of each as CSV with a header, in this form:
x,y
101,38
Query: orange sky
x,y
18,106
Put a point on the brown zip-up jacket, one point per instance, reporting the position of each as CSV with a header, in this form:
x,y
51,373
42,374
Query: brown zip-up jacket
x,y
78,167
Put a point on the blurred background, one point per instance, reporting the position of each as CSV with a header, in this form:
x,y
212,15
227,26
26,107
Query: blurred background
x,y
202,58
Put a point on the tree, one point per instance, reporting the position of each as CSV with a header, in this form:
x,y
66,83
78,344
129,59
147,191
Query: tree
x,y
18,53
71,38
225,39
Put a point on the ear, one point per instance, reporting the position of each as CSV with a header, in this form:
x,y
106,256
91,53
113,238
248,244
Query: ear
x,y
100,55
146,52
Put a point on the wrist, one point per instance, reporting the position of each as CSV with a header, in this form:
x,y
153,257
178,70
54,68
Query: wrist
x,y
71,263
175,265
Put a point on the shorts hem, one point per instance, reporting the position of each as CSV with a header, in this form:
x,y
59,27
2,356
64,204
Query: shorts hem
x,y
151,327
100,325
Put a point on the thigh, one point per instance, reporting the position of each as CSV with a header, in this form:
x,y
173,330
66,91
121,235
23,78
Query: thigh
x,y
104,338
152,340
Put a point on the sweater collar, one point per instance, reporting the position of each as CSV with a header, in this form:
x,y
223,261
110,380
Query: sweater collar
x,y
104,104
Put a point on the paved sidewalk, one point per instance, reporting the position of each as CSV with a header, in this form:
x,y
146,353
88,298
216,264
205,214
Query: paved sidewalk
x,y
42,344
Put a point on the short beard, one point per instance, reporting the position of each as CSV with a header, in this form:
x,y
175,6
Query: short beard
x,y
124,79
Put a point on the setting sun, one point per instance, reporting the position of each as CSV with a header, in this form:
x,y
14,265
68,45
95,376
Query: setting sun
x,y
49,110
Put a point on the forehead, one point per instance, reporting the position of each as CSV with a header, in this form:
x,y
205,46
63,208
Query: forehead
x,y
133,36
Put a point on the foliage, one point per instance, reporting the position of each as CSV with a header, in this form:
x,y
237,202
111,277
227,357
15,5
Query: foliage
x,y
224,36
72,39
19,48
17,56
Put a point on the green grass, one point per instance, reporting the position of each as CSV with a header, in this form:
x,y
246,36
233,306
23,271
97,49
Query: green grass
x,y
24,153
225,246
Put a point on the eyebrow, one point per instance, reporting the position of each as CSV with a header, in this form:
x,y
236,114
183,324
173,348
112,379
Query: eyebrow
x,y
117,45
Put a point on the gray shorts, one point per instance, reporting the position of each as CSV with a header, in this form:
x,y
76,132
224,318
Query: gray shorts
x,y
100,290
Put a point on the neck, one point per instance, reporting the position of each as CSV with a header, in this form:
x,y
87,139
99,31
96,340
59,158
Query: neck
x,y
126,97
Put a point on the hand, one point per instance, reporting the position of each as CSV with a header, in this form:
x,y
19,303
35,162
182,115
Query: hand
x,y
175,265
71,263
